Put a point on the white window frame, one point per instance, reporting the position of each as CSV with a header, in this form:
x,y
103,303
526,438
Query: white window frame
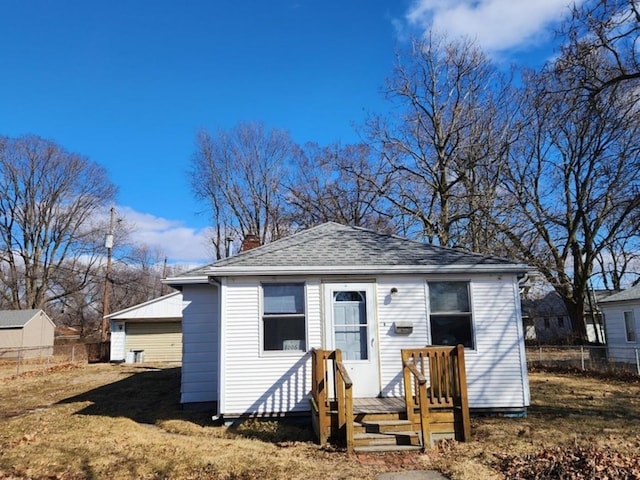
x,y
631,334
303,316
470,313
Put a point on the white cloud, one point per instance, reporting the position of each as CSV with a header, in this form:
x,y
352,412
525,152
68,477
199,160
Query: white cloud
x,y
181,244
497,25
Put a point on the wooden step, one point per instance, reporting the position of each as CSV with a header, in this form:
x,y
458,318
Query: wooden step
x,y
389,439
386,448
378,416
382,426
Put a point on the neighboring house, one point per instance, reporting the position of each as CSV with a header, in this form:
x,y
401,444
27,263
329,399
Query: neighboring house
x,y
250,320
25,333
150,331
547,320
622,321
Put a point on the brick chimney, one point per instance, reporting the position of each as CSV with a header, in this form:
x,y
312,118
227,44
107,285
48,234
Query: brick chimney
x,y
249,242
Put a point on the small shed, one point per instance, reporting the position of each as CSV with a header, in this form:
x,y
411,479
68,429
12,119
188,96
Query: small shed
x,y
622,323
25,333
150,331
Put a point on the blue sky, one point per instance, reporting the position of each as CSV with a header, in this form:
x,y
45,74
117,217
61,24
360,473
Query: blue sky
x,y
129,83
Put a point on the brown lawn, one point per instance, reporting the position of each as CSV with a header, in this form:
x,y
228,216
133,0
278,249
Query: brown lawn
x,y
123,421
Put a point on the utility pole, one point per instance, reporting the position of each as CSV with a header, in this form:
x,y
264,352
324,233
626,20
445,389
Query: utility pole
x,y
108,243
164,275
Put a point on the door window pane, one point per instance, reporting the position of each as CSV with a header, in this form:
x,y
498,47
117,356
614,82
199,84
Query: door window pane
x,y
350,324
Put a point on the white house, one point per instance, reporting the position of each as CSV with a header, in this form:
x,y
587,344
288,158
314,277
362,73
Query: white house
x,y
250,320
622,323
150,331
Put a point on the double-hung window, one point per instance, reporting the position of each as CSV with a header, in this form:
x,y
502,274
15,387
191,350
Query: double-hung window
x,y
283,318
630,326
450,314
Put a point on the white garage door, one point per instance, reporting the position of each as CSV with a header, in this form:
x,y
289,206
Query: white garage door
x,y
161,341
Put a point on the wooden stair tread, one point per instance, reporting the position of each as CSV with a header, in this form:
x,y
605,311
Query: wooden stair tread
x,y
386,448
384,423
371,435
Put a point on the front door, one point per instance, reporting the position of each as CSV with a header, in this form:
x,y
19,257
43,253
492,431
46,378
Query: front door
x,y
350,325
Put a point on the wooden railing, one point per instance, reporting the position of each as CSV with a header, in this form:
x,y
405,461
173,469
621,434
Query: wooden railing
x,y
329,371
417,395
435,378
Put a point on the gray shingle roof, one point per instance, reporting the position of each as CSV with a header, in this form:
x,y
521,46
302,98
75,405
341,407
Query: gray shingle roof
x,y
16,318
332,245
629,294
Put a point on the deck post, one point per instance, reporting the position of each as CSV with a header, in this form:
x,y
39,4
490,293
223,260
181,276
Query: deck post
x,y
339,386
425,427
319,391
462,391
408,386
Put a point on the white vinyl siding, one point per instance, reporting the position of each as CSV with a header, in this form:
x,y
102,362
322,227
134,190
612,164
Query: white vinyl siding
x,y
619,348
496,368
407,305
263,382
200,334
160,341
257,382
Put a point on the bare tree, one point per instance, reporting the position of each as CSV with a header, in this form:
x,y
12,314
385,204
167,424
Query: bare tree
x,y
618,261
572,183
603,49
49,199
447,144
241,174
342,184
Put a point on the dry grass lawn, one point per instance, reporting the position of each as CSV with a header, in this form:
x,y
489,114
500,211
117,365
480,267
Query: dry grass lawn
x,y
123,421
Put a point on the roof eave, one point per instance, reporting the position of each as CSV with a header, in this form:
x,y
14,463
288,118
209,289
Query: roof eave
x,y
366,269
179,281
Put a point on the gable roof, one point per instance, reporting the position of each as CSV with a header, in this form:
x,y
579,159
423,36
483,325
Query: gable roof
x,y
16,318
332,248
629,294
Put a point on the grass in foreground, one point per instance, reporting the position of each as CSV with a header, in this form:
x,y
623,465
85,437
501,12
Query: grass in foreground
x,y
118,421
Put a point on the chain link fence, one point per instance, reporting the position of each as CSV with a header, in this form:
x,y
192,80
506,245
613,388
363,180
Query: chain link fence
x,y
585,357
16,361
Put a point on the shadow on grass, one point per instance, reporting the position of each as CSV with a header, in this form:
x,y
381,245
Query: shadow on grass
x,y
153,394
148,396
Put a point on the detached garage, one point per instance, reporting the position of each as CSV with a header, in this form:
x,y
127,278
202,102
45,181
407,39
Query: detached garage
x,y
149,332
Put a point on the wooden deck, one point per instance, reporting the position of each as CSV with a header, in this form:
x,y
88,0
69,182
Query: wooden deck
x,y
378,405
434,405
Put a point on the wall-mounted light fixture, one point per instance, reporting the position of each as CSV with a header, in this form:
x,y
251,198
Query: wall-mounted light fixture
x,y
394,291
